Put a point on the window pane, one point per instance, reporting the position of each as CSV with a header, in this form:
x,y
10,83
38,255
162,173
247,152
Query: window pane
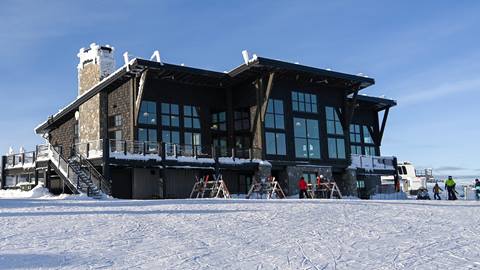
x,y
175,121
221,117
188,138
301,97
187,122
312,129
341,148
197,139
165,120
314,99
299,127
152,135
338,128
314,108
278,106
166,136
301,148
270,106
301,107
142,134
281,147
175,137
330,127
295,106
196,123
314,149
195,111
187,110
329,113
294,96
279,122
174,108
269,121
308,107
270,141
332,148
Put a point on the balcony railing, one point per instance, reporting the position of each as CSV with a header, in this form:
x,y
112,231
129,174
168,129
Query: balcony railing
x,y
370,163
26,159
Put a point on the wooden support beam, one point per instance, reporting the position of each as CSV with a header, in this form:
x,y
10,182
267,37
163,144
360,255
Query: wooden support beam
x,y
384,123
267,95
138,100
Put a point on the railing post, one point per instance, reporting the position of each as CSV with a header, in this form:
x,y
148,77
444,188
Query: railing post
x,y
214,154
250,153
23,159
125,147
144,148
163,151
88,149
175,150
233,152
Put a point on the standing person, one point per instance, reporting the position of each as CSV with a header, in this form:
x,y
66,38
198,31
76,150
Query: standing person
x,y
302,185
436,192
477,189
450,186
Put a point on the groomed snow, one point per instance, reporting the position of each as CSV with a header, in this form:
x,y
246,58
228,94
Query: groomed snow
x,y
239,234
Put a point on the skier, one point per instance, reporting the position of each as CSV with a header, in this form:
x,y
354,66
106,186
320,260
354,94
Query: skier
x,y
450,187
477,189
436,192
302,185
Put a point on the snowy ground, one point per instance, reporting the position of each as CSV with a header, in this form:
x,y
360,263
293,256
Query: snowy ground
x,y
238,234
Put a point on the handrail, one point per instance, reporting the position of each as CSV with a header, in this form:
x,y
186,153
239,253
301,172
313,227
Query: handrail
x,y
55,155
101,182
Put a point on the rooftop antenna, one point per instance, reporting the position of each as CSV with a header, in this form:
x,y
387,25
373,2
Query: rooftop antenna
x,y
125,58
156,56
246,57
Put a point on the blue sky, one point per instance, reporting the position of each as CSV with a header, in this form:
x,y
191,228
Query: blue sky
x,y
424,54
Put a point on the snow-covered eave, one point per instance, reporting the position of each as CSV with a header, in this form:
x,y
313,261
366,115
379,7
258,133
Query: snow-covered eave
x,y
42,128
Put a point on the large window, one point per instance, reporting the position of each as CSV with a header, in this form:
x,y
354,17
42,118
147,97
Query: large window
x,y
355,139
369,144
148,113
147,135
170,115
334,125
242,120
219,121
336,148
191,118
307,138
274,128
193,142
336,141
220,145
274,117
275,143
302,102
171,136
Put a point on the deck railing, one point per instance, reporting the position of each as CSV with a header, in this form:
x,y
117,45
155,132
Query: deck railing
x,y
373,162
21,159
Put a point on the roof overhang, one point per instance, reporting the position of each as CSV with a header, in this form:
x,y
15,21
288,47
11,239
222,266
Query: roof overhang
x,y
378,103
309,74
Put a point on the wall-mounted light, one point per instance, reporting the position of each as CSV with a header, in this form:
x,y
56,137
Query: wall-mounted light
x,y
77,115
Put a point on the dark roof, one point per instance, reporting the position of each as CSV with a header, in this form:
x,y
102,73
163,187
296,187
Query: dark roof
x,y
208,78
377,102
261,64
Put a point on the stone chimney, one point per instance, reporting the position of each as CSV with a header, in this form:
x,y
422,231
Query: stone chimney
x,y
96,63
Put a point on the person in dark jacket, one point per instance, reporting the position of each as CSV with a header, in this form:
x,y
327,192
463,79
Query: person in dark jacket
x,y
302,185
436,192
477,189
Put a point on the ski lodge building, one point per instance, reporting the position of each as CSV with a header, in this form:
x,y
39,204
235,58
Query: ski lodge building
x,y
149,128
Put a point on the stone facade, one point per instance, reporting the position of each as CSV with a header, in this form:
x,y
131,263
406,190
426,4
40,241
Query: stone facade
x,y
119,104
64,136
295,172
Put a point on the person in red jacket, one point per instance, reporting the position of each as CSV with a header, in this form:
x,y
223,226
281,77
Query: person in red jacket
x,y
302,185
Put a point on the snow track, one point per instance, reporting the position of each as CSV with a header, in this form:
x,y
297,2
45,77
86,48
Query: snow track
x,y
238,234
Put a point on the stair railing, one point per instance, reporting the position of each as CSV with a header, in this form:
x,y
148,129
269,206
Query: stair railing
x,y
63,166
94,175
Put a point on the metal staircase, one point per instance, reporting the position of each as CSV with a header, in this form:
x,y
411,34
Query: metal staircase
x,y
79,174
